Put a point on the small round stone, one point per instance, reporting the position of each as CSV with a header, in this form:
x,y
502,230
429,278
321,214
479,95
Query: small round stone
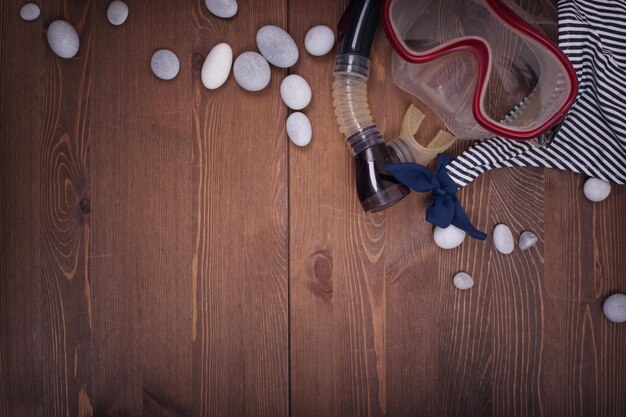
x,y
29,11
596,189
319,40
299,129
277,46
503,239
63,39
117,12
295,92
449,237
463,281
615,308
165,64
222,8
251,71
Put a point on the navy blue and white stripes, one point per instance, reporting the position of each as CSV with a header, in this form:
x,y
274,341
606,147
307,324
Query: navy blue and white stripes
x,y
592,139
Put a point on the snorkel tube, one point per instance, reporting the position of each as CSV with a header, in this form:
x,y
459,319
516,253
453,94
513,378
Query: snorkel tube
x,y
376,188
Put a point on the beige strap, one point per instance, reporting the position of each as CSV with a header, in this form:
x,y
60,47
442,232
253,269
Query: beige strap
x,y
410,124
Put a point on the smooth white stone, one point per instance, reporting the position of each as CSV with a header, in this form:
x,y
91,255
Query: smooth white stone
x,y
449,237
319,40
117,12
63,39
222,8
251,71
165,64
277,46
527,240
29,11
299,129
296,92
503,239
463,281
615,308
596,189
216,67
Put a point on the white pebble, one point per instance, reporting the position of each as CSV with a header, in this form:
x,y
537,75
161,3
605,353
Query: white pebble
x,y
117,12
277,46
63,39
222,8
527,240
463,281
615,308
319,40
216,67
251,71
299,129
503,239
596,189
296,92
449,237
165,64
29,11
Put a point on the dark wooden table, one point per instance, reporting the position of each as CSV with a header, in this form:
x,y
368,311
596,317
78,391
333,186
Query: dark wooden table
x,y
166,251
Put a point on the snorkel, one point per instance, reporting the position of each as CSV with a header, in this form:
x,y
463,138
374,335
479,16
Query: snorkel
x,y
376,188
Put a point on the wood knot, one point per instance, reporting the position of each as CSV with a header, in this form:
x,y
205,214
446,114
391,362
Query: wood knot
x,y
197,60
321,282
85,205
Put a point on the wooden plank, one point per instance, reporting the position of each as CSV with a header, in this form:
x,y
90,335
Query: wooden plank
x,y
141,216
583,368
240,228
22,313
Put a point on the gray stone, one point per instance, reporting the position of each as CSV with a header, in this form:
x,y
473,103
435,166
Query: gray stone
x,y
251,71
277,46
222,8
295,92
63,39
29,11
463,281
117,12
165,64
615,308
299,129
319,40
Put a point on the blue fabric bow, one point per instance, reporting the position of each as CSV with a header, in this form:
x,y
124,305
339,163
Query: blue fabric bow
x,y
445,209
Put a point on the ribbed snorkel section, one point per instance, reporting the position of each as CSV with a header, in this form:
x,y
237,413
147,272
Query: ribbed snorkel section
x,y
350,102
376,188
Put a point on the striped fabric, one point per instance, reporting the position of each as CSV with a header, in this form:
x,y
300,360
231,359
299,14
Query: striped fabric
x,y
592,139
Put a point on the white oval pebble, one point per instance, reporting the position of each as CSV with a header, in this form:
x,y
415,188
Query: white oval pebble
x,y
63,39
222,8
277,46
295,92
117,12
319,40
449,237
299,129
29,11
596,189
503,239
251,71
165,64
463,281
216,67
615,308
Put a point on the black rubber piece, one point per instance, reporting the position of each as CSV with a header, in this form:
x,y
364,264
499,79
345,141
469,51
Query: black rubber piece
x,y
361,27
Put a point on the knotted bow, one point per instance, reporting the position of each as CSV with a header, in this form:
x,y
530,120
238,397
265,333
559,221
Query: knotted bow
x,y
445,209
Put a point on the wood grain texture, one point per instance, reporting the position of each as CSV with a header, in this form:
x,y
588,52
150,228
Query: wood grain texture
x,y
166,251
240,254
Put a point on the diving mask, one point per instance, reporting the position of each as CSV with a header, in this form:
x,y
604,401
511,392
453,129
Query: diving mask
x,y
483,66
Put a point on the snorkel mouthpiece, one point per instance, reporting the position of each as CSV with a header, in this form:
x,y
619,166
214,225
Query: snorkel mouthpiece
x,y
376,188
